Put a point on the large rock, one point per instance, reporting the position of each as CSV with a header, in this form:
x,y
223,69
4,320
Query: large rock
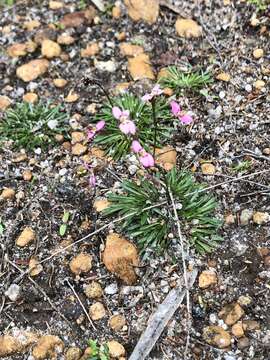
x,y
188,28
32,70
147,10
217,336
120,257
140,68
48,347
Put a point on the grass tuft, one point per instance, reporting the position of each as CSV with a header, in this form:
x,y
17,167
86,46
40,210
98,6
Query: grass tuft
x,y
150,228
27,125
117,144
190,80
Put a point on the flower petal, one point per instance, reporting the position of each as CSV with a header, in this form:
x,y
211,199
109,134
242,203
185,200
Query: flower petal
x,y
147,97
132,127
124,127
175,108
186,119
157,90
136,146
147,160
117,112
100,125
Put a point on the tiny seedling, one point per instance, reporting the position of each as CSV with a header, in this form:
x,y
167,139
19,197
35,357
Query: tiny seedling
x,y
98,352
63,226
189,80
30,126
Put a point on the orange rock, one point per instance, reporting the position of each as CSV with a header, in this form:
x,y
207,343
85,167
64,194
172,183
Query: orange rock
x,y
32,70
166,157
140,68
120,257
5,102
217,336
31,98
231,313
101,204
116,12
127,49
17,50
188,28
147,10
81,263
90,50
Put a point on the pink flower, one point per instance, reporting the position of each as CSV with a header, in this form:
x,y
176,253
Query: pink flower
x,y
147,160
92,180
175,108
176,111
100,125
156,91
95,129
128,127
119,114
136,146
186,119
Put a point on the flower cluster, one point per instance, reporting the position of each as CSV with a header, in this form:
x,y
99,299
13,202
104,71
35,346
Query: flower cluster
x,y
145,158
156,91
126,125
177,112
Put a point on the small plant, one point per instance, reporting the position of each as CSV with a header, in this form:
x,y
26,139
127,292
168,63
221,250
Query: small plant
x,y
261,5
147,208
98,352
115,142
63,226
242,166
190,80
30,126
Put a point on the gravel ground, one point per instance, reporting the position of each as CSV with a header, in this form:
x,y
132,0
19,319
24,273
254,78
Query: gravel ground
x,y
231,125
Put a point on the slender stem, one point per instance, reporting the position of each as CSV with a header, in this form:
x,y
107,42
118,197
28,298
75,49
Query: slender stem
x,y
89,81
155,125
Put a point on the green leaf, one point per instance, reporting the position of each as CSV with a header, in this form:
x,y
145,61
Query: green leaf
x,y
63,229
66,216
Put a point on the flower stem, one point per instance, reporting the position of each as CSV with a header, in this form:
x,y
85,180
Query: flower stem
x,y
155,126
88,82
